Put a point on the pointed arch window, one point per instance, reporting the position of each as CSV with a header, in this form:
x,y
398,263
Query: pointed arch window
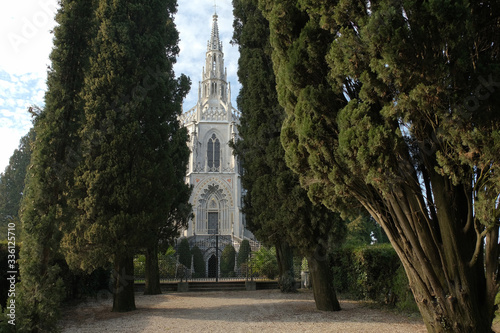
x,y
213,153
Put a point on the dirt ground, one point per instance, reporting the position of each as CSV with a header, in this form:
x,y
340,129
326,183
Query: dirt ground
x,y
236,311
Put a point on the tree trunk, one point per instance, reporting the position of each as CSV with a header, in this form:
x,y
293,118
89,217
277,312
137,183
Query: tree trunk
x,y
456,312
284,256
152,271
123,284
322,283
450,292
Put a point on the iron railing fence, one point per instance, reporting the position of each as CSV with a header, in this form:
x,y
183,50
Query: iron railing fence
x,y
171,270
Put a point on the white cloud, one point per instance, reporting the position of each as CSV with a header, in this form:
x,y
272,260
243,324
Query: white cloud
x,y
26,43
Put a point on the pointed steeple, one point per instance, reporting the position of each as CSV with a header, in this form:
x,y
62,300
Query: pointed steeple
x,y
214,77
214,43
214,91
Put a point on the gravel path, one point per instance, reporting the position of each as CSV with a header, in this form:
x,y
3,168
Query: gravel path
x,y
237,311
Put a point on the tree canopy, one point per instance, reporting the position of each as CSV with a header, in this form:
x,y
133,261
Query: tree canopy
x,y
277,208
393,105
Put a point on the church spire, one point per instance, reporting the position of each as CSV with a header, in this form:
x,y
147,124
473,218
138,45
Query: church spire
x,y
214,43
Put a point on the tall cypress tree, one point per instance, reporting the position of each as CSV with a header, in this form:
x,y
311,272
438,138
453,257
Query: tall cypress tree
x,y
45,209
395,105
259,150
129,138
278,210
12,182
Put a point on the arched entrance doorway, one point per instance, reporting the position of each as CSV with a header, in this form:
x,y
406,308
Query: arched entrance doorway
x,y
212,266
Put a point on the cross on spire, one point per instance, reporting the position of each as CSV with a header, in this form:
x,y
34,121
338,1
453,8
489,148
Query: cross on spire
x,y
215,7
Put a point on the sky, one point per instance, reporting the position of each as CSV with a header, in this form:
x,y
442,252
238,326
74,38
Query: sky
x,y
26,42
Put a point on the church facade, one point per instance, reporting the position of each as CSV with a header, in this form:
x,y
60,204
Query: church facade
x,y
213,169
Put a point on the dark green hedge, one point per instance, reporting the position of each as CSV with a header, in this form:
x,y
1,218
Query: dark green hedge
x,y
372,272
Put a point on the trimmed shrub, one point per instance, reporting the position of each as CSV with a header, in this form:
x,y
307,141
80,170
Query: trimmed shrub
x,y
198,263
227,261
376,267
184,253
244,253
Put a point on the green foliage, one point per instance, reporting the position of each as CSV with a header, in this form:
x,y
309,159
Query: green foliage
x,y
38,297
393,106
244,253
264,262
198,263
374,266
170,252
364,230
497,311
5,327
260,150
4,261
304,265
79,284
140,266
131,139
184,253
403,297
168,263
278,210
372,272
131,142
108,146
227,261
12,182
45,209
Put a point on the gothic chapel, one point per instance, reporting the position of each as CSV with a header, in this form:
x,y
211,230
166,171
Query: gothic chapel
x,y
213,169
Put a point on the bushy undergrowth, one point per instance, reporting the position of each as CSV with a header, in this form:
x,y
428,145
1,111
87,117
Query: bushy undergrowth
x,y
167,263
264,263
372,272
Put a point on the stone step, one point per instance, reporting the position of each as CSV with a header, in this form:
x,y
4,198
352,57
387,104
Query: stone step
x,y
201,286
